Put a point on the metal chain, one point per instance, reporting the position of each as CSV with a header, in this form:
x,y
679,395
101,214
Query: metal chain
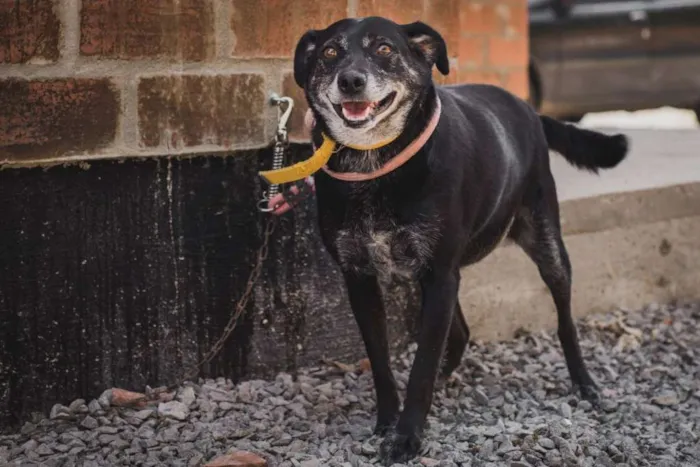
x,y
280,146
240,306
253,277
281,142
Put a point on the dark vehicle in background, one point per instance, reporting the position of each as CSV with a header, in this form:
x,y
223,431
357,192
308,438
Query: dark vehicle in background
x,y
596,55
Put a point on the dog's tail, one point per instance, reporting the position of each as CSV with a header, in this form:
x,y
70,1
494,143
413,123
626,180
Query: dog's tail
x,y
584,149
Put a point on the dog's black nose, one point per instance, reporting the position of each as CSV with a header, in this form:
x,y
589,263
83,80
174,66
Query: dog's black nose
x,y
351,81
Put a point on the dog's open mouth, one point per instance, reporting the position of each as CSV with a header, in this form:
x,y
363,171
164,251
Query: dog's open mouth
x,y
359,112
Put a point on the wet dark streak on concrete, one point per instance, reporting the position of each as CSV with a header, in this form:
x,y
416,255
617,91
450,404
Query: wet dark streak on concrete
x,y
120,275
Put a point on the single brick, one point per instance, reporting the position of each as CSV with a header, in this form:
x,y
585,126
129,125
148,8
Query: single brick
x,y
272,28
192,110
472,51
133,29
517,82
516,18
28,30
54,118
405,11
479,18
505,52
481,77
443,16
238,459
296,121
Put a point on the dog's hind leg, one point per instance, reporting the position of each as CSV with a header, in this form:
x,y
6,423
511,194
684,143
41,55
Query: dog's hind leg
x,y
457,342
366,303
537,230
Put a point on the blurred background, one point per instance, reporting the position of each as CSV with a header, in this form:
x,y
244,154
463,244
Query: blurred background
x,y
622,65
606,58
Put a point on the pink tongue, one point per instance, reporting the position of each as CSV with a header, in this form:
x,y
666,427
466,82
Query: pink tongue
x,y
355,108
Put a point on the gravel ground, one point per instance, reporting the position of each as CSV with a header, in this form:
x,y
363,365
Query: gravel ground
x,y
508,405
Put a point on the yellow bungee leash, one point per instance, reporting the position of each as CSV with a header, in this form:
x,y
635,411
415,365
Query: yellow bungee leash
x,y
320,157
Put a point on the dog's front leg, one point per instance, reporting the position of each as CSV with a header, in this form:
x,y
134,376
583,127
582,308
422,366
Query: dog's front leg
x,y
439,296
366,303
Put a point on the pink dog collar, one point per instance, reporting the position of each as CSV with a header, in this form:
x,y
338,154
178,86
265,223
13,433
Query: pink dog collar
x,y
396,161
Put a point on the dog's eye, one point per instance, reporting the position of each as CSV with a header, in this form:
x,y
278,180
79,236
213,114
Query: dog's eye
x,y
330,52
384,50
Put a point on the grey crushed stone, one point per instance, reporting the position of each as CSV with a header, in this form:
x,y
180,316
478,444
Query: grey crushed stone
x,y
509,404
173,409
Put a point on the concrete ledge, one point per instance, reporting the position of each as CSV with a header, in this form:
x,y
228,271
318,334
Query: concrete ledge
x,y
627,249
629,209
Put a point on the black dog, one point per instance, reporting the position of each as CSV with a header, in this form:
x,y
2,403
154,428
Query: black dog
x,y
482,176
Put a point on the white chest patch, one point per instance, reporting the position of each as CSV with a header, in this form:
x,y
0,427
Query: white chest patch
x,y
398,251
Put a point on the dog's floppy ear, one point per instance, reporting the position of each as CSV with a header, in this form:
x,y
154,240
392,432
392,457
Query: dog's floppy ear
x,y
302,56
429,43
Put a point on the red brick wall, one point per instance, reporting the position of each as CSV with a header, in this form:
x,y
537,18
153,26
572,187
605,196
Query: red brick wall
x,y
113,78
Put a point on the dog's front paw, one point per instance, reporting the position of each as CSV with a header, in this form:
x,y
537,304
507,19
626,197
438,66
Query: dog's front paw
x,y
386,421
588,392
383,428
399,448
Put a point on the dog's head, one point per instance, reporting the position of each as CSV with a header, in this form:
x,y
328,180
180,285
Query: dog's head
x,y
363,76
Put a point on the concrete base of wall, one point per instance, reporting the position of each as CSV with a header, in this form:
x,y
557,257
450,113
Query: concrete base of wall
x,y
626,249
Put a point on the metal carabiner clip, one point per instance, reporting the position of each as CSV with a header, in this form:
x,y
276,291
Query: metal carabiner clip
x,y
283,118
281,139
